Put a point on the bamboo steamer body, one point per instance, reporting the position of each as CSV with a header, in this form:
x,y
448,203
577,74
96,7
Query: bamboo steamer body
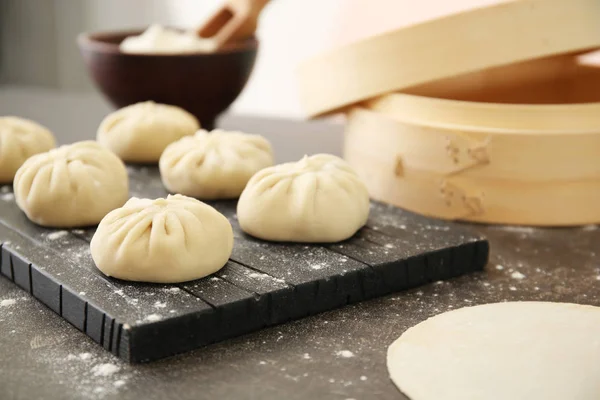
x,y
493,158
487,117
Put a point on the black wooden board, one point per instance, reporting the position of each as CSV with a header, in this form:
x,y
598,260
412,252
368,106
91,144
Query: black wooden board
x,y
263,284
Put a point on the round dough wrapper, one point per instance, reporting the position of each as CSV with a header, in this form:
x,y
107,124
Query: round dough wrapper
x,y
139,133
215,165
513,350
170,240
71,186
319,199
20,139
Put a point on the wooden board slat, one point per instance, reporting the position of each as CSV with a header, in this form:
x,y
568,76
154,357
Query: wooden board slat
x,y
263,283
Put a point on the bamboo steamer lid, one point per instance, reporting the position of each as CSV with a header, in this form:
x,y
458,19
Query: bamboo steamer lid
x,y
459,44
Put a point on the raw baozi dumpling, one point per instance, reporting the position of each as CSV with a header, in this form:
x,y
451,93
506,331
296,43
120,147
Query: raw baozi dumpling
x,y
20,139
215,165
139,133
71,186
318,199
170,240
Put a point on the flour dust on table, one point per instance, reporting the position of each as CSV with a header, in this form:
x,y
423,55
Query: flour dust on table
x,y
511,350
78,368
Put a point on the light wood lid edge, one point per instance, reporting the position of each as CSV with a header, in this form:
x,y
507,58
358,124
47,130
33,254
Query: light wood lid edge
x,y
499,35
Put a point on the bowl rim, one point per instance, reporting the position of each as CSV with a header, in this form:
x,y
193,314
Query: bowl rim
x,y
92,41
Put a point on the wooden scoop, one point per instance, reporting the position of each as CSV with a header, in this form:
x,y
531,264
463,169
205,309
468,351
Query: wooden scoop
x,y
234,20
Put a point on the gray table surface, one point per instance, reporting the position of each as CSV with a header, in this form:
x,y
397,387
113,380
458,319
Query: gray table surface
x,y
336,355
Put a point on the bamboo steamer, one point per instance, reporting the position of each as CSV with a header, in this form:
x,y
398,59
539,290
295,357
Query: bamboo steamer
x,y
501,35
485,116
531,164
493,177
483,154
479,200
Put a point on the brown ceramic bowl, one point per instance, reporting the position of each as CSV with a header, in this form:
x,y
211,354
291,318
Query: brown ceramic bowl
x,y
203,84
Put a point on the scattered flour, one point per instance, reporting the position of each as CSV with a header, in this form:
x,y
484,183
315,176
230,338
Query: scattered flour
x,y
344,354
82,357
172,290
499,267
128,299
522,229
105,370
590,227
389,246
7,302
256,275
512,288
363,378
57,235
153,318
317,266
306,356
81,366
517,275
92,377
278,280
160,304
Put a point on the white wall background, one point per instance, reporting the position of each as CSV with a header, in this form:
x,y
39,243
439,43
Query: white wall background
x,y
37,37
